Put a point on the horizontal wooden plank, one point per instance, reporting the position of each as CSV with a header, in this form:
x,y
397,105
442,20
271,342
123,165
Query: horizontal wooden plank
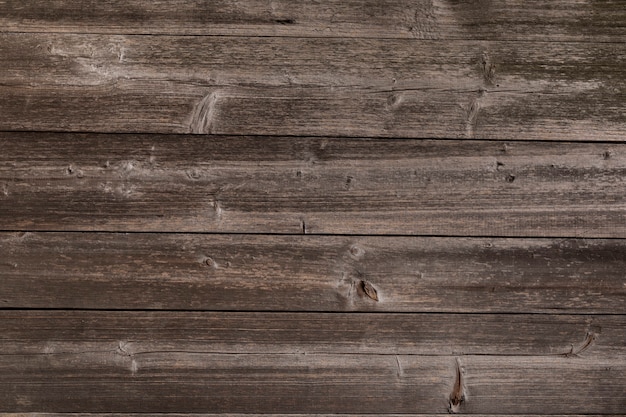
x,y
282,415
272,362
352,87
310,185
558,20
67,333
120,381
311,273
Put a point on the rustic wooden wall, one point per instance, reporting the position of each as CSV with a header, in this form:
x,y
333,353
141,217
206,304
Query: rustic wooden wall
x,y
279,207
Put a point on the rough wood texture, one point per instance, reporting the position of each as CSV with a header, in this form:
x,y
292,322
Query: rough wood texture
x,y
280,415
273,163
159,362
179,381
555,20
68,333
351,87
323,273
311,185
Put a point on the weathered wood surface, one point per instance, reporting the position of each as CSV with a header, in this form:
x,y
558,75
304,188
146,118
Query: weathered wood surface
x,y
313,86
72,333
303,363
555,20
311,273
180,381
261,287
281,415
311,185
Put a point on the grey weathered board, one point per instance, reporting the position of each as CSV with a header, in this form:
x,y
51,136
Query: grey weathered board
x,y
156,362
284,415
313,86
183,381
555,20
311,273
311,185
375,207
577,338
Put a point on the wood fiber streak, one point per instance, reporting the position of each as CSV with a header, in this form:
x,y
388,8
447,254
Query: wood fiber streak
x,y
311,273
120,381
310,185
312,86
68,333
557,20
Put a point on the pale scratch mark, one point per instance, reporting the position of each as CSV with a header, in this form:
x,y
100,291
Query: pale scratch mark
x,y
203,114
473,111
488,69
217,208
121,349
400,372
152,158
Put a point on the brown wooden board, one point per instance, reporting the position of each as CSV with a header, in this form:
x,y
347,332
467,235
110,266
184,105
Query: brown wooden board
x,y
335,208
311,273
311,185
138,333
313,86
180,381
304,363
556,20
281,415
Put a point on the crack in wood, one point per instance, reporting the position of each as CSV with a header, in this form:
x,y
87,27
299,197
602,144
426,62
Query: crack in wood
x,y
457,396
590,338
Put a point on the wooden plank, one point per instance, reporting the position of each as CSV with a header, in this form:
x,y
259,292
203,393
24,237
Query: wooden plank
x,y
283,415
311,273
310,185
559,20
191,362
67,333
179,381
353,87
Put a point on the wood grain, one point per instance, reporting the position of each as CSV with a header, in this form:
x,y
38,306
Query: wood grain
x,y
352,87
281,415
236,362
557,20
224,383
68,333
310,185
311,273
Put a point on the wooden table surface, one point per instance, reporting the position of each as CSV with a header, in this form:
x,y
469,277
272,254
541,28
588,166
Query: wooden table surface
x,y
338,207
